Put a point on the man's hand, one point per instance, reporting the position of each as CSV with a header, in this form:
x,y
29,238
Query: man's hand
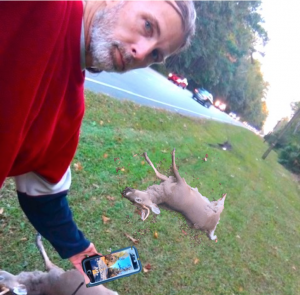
x,y
77,259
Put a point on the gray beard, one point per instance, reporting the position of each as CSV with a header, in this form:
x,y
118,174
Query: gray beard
x,y
102,43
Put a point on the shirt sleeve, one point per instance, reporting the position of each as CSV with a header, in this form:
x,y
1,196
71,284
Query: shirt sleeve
x,y
46,207
52,218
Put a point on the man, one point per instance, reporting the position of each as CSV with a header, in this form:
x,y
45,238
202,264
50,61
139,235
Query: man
x,y
45,48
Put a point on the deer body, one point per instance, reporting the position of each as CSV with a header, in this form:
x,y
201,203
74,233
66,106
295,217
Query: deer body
x,y
54,282
175,194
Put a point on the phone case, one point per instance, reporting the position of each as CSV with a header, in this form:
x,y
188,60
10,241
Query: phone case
x,y
114,278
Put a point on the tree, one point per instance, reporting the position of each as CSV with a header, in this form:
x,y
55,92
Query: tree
x,y
220,57
289,142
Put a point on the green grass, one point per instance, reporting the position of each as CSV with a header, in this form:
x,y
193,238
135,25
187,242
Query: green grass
x,y
259,232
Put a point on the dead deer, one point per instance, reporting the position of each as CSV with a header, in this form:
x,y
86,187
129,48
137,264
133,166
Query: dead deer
x,y
175,194
53,282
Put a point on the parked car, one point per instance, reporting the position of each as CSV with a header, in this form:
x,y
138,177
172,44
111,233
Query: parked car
x,y
234,116
178,80
220,105
203,97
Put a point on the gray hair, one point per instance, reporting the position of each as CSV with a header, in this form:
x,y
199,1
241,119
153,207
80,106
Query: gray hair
x,y
188,15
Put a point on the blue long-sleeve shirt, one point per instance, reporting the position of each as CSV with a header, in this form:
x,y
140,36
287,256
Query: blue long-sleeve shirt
x,y
52,218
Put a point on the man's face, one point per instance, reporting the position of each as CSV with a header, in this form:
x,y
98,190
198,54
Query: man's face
x,y
132,34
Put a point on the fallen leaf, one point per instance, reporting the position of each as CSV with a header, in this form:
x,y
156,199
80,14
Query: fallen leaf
x,y
23,239
122,169
155,235
135,241
78,166
196,260
135,155
115,159
101,122
107,231
148,266
294,267
1,211
118,168
184,232
143,162
96,185
145,270
105,156
105,219
241,289
110,198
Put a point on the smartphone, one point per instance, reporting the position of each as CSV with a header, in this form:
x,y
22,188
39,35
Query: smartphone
x,y
118,264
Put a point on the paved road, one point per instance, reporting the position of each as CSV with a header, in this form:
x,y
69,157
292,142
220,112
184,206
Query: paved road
x,y
147,87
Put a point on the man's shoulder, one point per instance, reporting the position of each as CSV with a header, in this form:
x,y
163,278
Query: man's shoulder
x,y
45,12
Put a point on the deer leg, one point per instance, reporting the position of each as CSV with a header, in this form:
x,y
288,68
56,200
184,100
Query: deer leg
x,y
48,264
176,173
158,175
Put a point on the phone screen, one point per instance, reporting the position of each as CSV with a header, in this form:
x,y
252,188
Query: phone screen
x,y
116,264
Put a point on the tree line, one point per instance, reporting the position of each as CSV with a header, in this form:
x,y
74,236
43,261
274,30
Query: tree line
x,y
221,57
288,144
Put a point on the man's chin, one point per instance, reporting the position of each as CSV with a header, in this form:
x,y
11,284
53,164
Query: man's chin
x,y
94,70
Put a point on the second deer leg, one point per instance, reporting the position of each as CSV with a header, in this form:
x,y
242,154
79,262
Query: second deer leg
x,y
48,264
176,173
159,175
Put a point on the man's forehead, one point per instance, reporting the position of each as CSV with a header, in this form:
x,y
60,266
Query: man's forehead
x,y
175,6
172,3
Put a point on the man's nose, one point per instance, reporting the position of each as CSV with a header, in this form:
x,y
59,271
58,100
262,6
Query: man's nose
x,y
142,52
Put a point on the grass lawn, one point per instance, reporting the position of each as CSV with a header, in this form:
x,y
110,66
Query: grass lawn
x,y
258,249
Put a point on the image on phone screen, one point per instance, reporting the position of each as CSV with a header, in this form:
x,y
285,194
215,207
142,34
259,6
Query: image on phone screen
x,y
112,265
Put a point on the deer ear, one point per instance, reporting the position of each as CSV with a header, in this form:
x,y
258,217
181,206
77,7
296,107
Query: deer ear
x,y
155,209
20,290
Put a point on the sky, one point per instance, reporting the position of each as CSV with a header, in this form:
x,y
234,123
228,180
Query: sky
x,y
281,64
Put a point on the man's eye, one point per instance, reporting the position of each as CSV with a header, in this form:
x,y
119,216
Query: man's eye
x,y
155,55
148,26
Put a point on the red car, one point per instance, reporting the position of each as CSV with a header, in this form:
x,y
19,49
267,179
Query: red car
x,y
178,80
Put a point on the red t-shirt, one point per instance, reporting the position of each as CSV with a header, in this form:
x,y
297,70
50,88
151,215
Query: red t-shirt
x,y
41,87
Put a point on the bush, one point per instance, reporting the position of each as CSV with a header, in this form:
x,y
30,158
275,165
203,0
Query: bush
x,y
290,157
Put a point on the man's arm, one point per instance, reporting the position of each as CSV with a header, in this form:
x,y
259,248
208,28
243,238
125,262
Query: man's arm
x,y
46,207
52,218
